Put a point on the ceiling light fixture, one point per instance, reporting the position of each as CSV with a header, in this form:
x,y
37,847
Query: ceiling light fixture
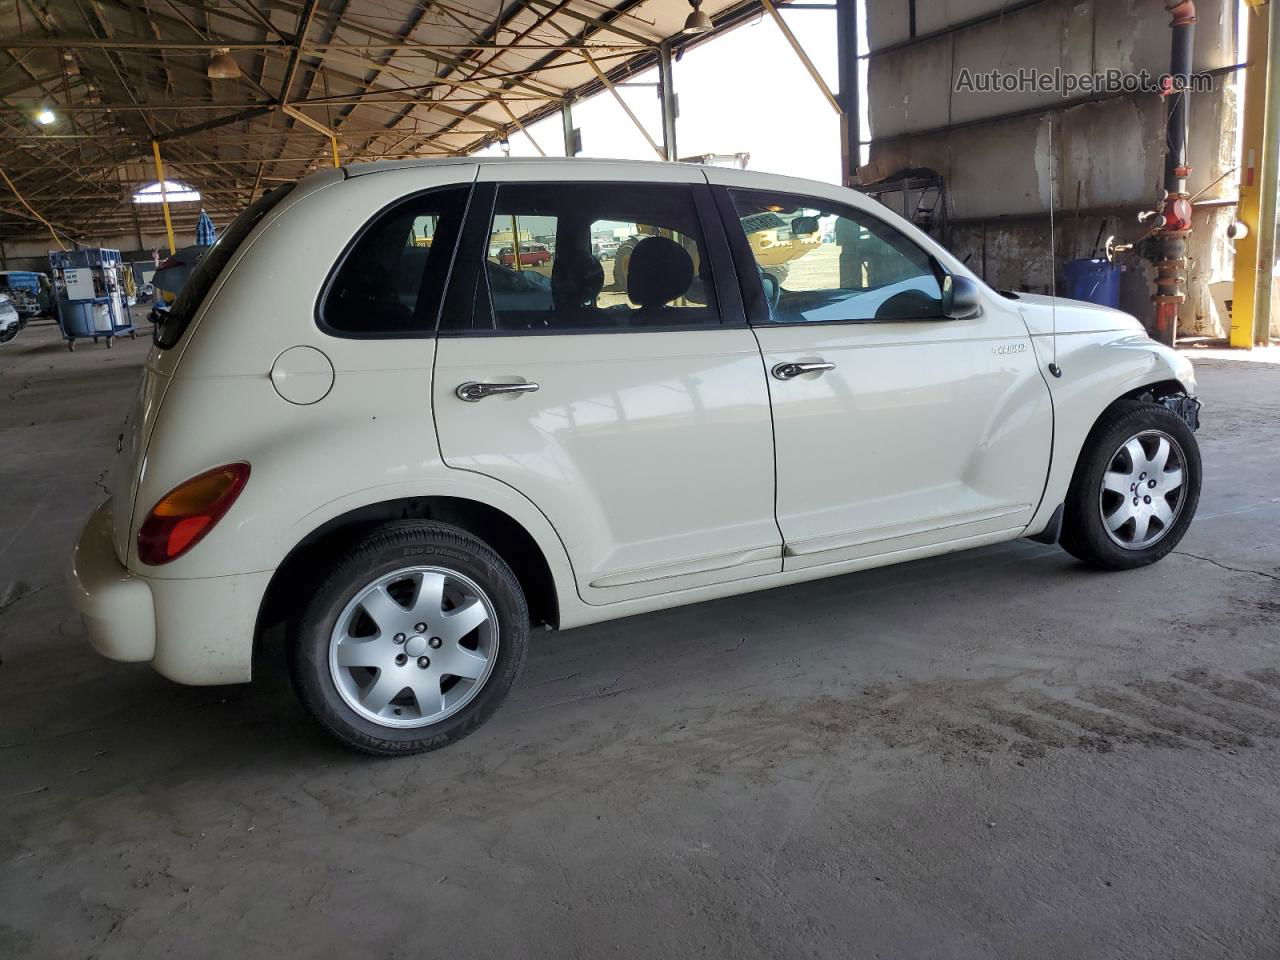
x,y
172,191
45,116
697,22
223,66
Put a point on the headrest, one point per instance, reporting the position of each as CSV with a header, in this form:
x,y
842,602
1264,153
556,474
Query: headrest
x,y
660,270
576,279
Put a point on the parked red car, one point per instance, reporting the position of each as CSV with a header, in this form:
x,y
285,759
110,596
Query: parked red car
x,y
531,255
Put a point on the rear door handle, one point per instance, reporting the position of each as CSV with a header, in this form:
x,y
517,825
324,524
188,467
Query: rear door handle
x,y
789,371
474,392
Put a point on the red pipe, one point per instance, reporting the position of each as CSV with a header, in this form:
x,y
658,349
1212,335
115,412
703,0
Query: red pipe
x,y
1170,259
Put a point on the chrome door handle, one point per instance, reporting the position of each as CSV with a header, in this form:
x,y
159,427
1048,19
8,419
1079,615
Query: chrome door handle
x,y
789,371
473,392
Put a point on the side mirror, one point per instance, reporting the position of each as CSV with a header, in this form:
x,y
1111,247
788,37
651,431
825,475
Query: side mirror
x,y
804,226
960,297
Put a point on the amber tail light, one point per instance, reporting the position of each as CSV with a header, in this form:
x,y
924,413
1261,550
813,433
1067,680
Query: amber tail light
x,y
189,511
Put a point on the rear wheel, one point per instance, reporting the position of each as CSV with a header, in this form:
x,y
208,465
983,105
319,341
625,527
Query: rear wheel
x,y
412,640
1135,489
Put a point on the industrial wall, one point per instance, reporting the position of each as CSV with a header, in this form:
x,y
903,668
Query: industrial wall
x,y
992,148
34,254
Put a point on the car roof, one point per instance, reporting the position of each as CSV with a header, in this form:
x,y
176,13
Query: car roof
x,y
381,166
589,166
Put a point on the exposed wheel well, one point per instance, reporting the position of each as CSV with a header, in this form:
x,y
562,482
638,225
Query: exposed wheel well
x,y
311,558
1153,392
1147,393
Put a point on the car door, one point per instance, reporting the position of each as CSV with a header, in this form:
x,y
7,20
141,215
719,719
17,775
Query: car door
x,y
630,407
895,428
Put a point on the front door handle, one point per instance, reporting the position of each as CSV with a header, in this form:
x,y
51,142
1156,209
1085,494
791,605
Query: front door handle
x,y
473,392
789,371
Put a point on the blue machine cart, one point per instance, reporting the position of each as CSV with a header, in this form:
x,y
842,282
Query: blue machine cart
x,y
89,295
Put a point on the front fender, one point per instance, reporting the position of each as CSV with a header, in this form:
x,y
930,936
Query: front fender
x,y
1097,369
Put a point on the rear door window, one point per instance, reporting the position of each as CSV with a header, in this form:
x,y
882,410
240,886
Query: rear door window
x,y
566,257
173,323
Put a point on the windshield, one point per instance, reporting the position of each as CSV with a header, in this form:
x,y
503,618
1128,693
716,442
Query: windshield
x,y
170,328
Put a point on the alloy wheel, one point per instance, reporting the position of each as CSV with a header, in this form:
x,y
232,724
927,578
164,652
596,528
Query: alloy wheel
x,y
414,646
1142,490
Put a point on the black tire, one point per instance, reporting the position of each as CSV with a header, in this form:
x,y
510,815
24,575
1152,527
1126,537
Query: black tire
x,y
392,547
1084,534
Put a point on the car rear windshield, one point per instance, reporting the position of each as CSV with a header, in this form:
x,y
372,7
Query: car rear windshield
x,y
170,328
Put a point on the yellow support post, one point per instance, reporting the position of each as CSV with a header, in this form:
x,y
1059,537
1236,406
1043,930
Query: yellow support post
x,y
515,242
1268,182
164,196
333,142
1246,248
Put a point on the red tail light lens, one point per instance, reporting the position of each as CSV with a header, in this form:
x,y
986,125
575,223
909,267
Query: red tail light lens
x,y
189,511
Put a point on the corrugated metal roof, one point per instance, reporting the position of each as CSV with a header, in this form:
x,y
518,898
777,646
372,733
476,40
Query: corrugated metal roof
x,y
393,79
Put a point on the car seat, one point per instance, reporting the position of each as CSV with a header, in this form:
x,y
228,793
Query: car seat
x,y
660,271
577,279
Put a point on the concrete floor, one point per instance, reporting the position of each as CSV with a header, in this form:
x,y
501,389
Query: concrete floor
x,y
993,754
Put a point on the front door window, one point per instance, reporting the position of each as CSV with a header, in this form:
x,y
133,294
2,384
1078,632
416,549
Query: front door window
x,y
822,262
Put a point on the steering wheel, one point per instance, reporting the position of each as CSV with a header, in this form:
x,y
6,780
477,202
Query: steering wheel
x,y
908,305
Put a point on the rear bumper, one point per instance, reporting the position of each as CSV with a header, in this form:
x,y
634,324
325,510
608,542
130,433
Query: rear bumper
x,y
197,631
117,607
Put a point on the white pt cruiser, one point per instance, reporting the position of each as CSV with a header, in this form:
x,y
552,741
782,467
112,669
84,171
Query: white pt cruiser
x,y
360,420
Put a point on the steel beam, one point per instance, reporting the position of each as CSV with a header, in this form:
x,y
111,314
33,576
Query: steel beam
x,y
848,80
73,42
566,120
521,127
804,57
670,105
626,109
304,22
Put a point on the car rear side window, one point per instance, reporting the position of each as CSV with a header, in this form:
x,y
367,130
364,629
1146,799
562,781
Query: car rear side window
x,y
173,324
390,282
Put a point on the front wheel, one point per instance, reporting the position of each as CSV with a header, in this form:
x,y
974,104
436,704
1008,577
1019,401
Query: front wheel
x,y
1135,489
412,640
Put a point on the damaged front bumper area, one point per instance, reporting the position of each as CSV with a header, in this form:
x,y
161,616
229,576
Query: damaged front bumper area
x,y
1186,408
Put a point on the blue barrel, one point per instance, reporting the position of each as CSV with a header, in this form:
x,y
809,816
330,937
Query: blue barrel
x,y
75,317
1096,281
